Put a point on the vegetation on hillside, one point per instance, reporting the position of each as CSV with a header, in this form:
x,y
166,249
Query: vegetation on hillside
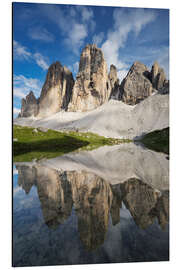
x,y
32,143
157,140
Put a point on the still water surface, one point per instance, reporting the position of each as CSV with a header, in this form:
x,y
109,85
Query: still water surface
x,y
76,216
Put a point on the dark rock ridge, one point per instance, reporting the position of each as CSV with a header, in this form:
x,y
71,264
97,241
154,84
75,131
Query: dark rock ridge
x,y
29,106
91,88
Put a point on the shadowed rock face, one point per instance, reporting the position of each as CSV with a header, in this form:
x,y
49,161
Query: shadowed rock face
x,y
136,86
56,91
140,199
144,203
92,86
158,77
29,106
114,84
161,210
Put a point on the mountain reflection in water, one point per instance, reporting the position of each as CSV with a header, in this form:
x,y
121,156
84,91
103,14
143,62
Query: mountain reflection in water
x,y
64,195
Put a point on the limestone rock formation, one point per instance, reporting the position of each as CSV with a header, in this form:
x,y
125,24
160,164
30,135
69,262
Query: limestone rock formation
x,y
56,91
114,83
91,87
92,198
29,106
165,89
134,193
136,86
54,193
158,76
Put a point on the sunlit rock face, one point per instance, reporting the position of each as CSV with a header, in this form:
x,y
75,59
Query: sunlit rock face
x,y
57,90
29,106
91,88
92,198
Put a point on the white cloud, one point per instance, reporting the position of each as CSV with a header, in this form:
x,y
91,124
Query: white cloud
x,y
97,39
41,61
76,37
19,92
87,16
20,51
40,33
76,67
15,112
125,21
86,13
22,86
163,59
73,22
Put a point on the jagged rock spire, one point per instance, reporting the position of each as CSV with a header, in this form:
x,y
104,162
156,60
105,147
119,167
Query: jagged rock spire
x,y
158,76
56,91
92,87
136,86
29,105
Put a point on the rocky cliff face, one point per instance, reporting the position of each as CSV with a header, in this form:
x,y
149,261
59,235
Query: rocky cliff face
x,y
92,197
91,87
157,76
29,106
114,84
56,91
136,86
141,83
158,79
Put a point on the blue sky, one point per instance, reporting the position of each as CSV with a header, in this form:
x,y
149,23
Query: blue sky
x,y
44,33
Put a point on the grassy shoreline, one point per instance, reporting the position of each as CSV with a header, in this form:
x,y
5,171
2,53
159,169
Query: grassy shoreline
x,y
32,143
157,140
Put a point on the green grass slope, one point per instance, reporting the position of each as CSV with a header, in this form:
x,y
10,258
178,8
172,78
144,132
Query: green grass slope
x,y
29,144
157,140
